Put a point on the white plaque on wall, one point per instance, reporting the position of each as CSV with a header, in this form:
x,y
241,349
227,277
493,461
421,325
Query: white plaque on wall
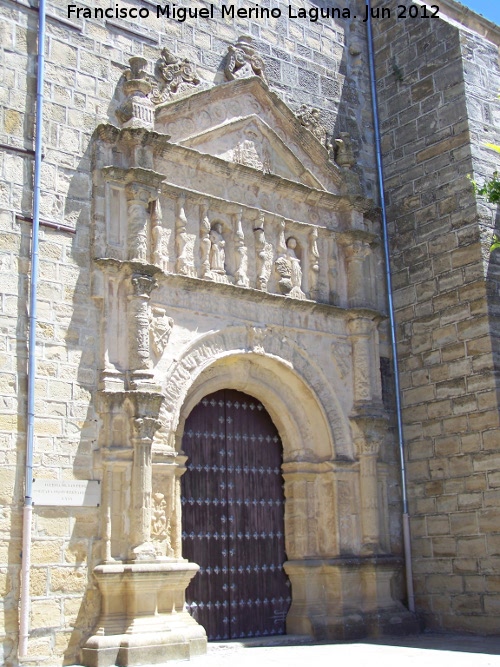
x,y
67,492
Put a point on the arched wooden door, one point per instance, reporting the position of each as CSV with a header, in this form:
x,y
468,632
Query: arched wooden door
x,y
232,518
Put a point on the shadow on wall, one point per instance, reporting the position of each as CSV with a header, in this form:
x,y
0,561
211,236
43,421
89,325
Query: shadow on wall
x,y
493,296
17,405
82,552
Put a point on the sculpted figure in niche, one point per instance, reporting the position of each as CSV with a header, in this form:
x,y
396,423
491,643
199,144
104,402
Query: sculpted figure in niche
x,y
295,269
288,266
217,253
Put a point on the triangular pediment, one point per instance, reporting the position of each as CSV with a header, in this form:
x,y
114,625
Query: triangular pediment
x,y
243,122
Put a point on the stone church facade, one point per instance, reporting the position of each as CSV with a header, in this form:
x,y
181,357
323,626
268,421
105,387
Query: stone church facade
x,y
211,244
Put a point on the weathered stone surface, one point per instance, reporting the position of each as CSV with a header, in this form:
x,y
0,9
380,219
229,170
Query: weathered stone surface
x,y
205,245
437,244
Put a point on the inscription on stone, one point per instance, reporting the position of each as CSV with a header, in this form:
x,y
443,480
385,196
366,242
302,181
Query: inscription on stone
x,y
68,493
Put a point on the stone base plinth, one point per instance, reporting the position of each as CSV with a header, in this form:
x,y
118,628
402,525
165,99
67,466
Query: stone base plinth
x,y
143,621
346,598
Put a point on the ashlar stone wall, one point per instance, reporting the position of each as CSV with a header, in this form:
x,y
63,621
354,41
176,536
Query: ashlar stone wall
x,y
315,64
438,82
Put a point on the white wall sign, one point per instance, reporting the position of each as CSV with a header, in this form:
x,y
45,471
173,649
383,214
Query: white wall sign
x,y
67,492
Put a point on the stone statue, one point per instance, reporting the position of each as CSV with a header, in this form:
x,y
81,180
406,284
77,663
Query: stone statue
x,y
288,266
217,249
295,269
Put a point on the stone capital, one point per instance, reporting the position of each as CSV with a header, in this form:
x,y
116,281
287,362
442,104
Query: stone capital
x,y
361,326
142,285
357,250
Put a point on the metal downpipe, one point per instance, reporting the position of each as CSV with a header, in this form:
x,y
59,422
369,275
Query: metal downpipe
x,y
380,176
24,608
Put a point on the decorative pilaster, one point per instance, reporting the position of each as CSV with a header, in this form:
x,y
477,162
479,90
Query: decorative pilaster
x,y
183,242
158,256
138,198
361,330
241,273
356,252
144,425
313,264
205,243
140,364
369,447
180,469
264,255
333,270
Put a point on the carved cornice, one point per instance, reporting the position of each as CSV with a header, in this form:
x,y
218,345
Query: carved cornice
x,y
268,99
134,175
110,134
127,267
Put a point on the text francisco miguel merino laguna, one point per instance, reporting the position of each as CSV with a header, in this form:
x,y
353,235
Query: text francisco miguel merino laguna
x,y
181,14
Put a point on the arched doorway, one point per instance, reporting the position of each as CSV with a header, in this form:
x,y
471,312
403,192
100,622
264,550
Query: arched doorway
x,y
232,517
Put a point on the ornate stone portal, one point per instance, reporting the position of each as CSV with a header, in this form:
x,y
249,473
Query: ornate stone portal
x,y
221,238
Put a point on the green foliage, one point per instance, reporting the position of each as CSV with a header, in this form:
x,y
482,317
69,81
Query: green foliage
x,y
496,243
490,190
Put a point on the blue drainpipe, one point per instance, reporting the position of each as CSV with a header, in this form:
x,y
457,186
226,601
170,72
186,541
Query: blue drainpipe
x,y
380,177
28,500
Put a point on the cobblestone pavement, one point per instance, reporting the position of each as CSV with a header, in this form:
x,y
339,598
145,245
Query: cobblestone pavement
x,y
427,650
